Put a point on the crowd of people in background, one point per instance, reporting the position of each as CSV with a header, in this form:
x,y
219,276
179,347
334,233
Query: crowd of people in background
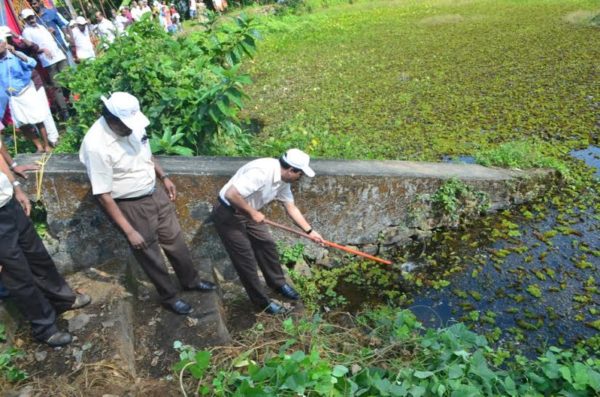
x,y
53,44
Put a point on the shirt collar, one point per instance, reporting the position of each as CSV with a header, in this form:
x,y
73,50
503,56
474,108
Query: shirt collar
x,y
277,173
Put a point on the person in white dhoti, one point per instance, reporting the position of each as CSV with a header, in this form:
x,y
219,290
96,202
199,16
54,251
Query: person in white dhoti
x,y
31,50
28,109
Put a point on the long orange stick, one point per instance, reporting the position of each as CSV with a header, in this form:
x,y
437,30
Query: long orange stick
x,y
329,243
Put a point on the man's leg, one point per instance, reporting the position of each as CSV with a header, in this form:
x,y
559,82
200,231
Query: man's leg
x,y
30,133
44,136
46,275
266,254
172,242
233,234
59,97
143,216
17,275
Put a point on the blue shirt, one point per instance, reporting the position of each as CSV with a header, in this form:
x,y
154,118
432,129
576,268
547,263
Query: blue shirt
x,y
51,18
15,74
3,104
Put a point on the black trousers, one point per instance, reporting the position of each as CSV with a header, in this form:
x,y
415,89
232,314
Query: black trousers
x,y
155,219
28,272
249,245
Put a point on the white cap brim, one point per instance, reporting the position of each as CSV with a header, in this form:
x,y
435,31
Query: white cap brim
x,y
308,171
136,122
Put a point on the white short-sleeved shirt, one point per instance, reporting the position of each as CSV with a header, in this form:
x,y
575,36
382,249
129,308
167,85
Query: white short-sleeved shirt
x,y
44,39
83,44
6,189
121,166
107,30
259,182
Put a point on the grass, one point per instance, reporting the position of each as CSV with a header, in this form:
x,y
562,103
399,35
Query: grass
x,y
419,80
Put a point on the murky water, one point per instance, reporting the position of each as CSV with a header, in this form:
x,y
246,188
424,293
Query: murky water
x,y
591,156
536,286
526,278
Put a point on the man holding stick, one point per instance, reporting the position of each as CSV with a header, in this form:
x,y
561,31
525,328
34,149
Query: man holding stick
x,y
241,227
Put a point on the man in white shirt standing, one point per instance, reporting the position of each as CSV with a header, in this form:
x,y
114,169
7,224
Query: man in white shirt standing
x,y
84,49
51,57
28,272
105,28
240,225
123,173
136,11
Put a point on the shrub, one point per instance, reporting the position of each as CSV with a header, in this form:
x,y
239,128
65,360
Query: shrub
x,y
190,87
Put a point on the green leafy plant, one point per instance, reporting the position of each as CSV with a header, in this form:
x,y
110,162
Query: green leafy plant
x,y
290,254
8,369
450,361
190,87
455,198
522,154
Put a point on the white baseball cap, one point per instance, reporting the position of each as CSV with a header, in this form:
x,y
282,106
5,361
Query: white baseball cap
x,y
26,13
300,160
80,20
5,31
127,108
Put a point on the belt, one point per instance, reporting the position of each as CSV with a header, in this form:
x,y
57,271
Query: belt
x,y
225,205
118,200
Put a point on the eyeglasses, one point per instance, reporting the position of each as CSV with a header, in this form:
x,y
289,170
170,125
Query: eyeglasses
x,y
296,170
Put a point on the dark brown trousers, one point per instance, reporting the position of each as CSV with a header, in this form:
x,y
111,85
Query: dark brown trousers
x,y
29,273
249,246
155,219
53,87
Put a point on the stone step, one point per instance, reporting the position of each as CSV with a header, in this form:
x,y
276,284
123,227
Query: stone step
x,y
102,332
157,328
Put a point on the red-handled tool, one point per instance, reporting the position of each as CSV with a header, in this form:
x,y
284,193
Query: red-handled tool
x,y
329,243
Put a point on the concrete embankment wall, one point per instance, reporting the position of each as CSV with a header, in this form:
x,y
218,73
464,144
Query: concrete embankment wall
x,y
373,204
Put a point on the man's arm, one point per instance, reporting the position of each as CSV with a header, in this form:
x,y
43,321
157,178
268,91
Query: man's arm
x,y
294,213
20,195
26,61
114,212
19,170
235,198
164,177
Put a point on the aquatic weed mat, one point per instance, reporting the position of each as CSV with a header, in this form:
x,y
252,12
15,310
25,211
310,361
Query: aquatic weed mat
x,y
418,80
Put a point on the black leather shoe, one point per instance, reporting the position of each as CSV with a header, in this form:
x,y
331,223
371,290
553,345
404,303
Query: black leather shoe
x,y
204,286
288,292
275,308
179,306
81,300
59,338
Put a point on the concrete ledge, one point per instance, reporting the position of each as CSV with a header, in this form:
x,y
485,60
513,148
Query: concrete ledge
x,y
350,202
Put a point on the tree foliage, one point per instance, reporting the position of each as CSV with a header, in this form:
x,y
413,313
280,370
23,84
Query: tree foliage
x,y
190,87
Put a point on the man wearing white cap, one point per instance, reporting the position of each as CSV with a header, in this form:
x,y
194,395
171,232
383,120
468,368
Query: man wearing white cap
x,y
51,57
240,225
123,173
84,49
